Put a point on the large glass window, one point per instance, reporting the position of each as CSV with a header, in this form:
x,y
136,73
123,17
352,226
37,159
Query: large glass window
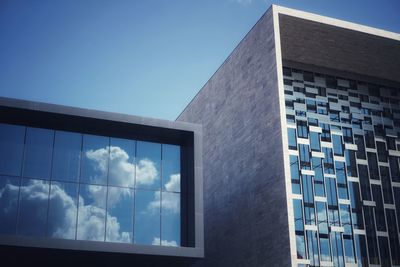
x,y
302,129
38,153
9,190
373,166
33,203
147,217
11,146
67,156
95,154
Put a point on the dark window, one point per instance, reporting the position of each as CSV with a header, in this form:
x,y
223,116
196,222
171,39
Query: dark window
x,y
341,180
386,185
11,146
318,177
373,166
308,197
290,118
379,211
356,206
9,188
364,182
361,250
371,235
347,135
369,139
326,132
391,143
384,251
394,168
308,76
359,141
382,153
393,236
304,157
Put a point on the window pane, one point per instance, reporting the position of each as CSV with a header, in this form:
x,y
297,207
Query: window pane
x,y
33,205
337,145
11,147
38,153
361,250
171,168
384,251
120,214
9,190
95,154
147,217
62,210
170,219
67,156
148,169
122,162
91,212
292,138
314,140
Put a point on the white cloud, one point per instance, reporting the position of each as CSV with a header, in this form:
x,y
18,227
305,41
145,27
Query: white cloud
x,y
243,2
156,241
174,183
170,202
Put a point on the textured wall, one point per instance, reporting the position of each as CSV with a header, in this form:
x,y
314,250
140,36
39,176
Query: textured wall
x,y
245,209
337,48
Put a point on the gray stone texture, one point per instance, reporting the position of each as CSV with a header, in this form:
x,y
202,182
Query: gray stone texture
x,y
332,47
246,221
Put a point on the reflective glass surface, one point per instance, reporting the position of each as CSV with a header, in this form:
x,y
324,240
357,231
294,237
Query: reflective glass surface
x,y
38,153
12,139
89,187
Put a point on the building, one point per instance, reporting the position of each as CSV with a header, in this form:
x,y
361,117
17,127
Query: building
x,y
301,128
81,187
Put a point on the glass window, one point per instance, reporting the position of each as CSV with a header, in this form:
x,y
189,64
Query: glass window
x,y
386,185
373,166
314,141
379,211
369,139
91,212
384,251
396,192
361,250
326,132
337,145
119,222
349,249
325,248
359,141
364,182
318,177
33,203
301,246
345,219
356,206
351,163
171,168
341,180
394,168
9,190
382,153
312,248
322,218
122,162
371,235
328,160
298,215
66,156
38,153
337,250
95,153
308,197
391,143
393,237
11,145
302,129
62,210
170,219
148,169
304,157
147,217
295,174
292,138
347,135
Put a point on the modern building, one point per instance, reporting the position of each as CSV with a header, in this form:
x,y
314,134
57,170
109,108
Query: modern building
x,y
300,143
81,187
301,147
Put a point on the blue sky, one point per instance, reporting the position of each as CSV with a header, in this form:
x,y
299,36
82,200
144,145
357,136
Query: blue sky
x,y
146,58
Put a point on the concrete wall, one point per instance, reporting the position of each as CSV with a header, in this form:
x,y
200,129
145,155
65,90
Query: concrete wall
x,y
246,221
333,47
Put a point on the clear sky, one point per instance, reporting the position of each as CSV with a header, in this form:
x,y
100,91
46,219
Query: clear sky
x,y
146,58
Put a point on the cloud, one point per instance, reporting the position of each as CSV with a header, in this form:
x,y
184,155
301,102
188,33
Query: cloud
x,y
121,171
156,241
243,2
62,218
170,202
174,183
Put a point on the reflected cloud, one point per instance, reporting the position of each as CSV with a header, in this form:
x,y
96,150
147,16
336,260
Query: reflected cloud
x,y
156,241
120,167
63,220
174,183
